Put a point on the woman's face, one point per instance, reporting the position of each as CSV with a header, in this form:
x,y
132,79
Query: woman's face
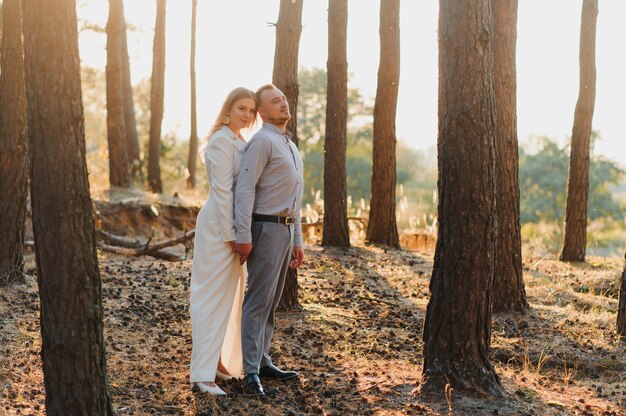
x,y
242,113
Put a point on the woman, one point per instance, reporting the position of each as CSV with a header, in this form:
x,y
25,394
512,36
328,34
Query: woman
x,y
217,277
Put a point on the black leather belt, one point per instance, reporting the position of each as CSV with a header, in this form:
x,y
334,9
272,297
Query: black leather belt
x,y
273,218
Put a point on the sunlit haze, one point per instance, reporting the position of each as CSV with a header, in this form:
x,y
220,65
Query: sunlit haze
x,y
235,46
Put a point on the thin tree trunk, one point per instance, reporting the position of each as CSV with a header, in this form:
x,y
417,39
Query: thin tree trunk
x,y
119,168
130,123
156,100
285,77
621,310
509,293
382,227
335,232
13,145
575,237
458,318
192,160
73,353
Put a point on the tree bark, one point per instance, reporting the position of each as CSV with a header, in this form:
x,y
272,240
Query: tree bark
x,y
192,160
335,232
509,293
382,227
73,353
130,123
285,77
156,100
13,145
119,168
575,236
621,311
285,73
458,318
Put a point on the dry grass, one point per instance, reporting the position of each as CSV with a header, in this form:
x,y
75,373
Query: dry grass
x,y
356,342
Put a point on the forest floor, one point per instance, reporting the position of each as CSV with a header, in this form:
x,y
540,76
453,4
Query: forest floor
x,y
356,341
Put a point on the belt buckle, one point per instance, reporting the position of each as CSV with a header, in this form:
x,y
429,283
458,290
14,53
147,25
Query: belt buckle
x,y
290,220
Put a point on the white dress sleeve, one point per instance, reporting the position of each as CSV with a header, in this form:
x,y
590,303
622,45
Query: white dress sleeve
x,y
219,156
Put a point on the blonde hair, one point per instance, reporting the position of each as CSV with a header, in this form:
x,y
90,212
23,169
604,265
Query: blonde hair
x,y
235,95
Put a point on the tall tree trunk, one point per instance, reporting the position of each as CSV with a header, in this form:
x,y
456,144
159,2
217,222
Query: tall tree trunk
x,y
575,238
285,77
13,144
335,229
285,73
458,318
621,310
130,123
192,160
156,100
382,227
119,168
73,354
509,293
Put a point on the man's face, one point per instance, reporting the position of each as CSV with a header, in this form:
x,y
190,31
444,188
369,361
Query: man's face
x,y
274,107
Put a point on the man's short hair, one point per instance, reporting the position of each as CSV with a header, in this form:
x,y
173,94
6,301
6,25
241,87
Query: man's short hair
x,y
259,92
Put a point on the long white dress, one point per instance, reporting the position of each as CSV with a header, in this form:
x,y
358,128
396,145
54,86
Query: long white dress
x,y
217,278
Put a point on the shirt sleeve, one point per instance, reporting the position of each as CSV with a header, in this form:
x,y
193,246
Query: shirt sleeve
x,y
297,234
219,156
253,162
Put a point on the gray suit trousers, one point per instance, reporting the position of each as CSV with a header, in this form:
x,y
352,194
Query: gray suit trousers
x,y
267,268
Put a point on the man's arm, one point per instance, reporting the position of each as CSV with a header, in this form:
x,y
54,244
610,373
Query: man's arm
x,y
298,255
253,162
298,242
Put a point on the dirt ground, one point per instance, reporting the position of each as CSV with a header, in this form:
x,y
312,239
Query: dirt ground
x,y
356,341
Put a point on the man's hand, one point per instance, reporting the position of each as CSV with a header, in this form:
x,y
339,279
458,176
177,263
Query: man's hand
x,y
244,250
298,255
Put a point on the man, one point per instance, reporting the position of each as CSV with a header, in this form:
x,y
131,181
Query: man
x,y
268,199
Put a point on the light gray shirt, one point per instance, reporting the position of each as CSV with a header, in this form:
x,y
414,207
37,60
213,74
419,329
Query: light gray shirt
x,y
270,181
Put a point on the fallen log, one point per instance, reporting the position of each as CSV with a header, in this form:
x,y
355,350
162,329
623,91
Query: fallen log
x,y
133,252
120,241
133,248
156,250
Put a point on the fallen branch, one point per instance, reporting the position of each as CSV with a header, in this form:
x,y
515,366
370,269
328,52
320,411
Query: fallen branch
x,y
133,252
133,248
119,241
189,235
156,250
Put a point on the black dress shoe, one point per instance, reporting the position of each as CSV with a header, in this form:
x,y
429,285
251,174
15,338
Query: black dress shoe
x,y
252,386
270,371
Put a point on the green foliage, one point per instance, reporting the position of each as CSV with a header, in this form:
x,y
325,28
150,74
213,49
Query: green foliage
x,y
543,181
412,169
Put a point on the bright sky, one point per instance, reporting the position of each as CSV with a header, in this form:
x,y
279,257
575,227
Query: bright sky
x,y
235,46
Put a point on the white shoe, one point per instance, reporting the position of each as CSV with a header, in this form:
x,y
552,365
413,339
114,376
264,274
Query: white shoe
x,y
222,376
212,390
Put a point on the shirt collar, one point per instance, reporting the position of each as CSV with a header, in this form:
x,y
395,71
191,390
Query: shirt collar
x,y
229,132
273,128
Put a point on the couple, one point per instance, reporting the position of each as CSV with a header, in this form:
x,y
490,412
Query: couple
x,y
253,214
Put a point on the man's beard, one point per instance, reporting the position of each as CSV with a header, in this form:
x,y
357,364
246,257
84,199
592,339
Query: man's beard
x,y
282,120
